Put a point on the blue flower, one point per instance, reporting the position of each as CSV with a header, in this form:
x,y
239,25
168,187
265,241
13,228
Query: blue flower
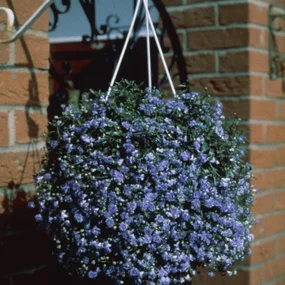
x,y
126,125
117,175
197,145
87,139
47,176
31,205
134,272
129,147
39,218
211,274
92,274
78,217
185,155
110,222
123,226
53,144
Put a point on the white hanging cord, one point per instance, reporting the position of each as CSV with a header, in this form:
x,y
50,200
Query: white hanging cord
x,y
159,48
124,49
126,44
148,52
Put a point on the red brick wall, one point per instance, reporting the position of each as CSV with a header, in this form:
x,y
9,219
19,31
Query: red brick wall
x,y
226,49
24,92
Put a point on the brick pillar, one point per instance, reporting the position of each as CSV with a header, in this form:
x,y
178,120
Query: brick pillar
x,y
226,49
24,92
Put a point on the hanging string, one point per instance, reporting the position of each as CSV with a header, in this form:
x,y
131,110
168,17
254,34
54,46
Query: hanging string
x,y
149,23
148,52
159,48
124,49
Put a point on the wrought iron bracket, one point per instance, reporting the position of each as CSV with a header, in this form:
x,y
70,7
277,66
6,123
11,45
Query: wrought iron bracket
x,y
29,22
56,12
276,57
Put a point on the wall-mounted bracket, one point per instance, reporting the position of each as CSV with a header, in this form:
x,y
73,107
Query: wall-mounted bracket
x,y
27,25
276,15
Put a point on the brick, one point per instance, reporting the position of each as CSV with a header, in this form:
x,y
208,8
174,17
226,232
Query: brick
x,y
240,13
234,62
21,251
196,17
275,133
258,14
281,244
238,108
281,115
258,61
222,86
256,133
33,51
264,204
262,110
258,38
23,88
218,39
275,269
256,85
4,52
30,126
280,281
244,61
274,88
262,251
19,167
201,63
256,276
261,158
4,132
280,155
39,277
233,14
276,2
167,43
24,9
269,179
280,200
268,225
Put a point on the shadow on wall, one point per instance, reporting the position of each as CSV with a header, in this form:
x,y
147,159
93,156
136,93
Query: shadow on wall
x,y
22,245
24,248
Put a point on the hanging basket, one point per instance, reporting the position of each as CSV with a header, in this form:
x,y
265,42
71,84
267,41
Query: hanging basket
x,y
138,188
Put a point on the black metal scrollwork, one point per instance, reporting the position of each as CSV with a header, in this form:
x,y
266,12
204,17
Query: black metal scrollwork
x,y
276,57
56,12
89,8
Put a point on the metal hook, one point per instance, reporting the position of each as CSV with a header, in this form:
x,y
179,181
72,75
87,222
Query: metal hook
x,y
10,18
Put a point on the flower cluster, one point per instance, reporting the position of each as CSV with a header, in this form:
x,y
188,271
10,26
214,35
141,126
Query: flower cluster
x,y
144,188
